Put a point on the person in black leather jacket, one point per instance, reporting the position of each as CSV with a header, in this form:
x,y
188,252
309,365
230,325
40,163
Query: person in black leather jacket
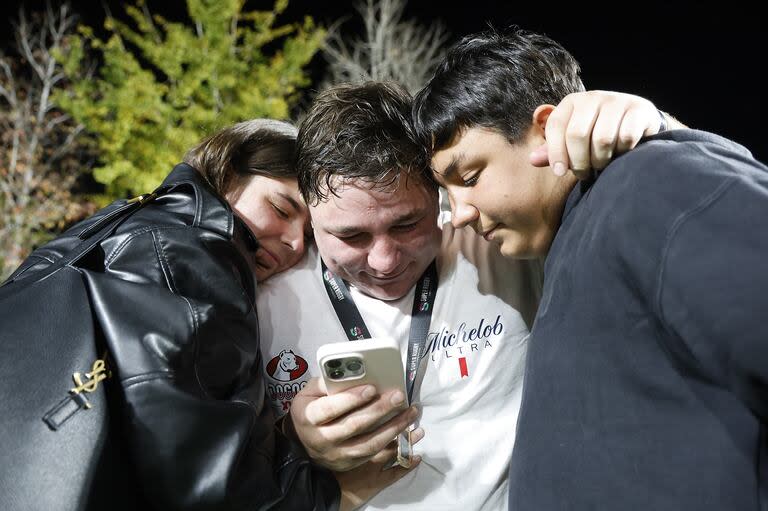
x,y
176,288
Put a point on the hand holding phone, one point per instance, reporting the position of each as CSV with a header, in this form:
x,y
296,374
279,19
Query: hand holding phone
x,y
337,430
368,361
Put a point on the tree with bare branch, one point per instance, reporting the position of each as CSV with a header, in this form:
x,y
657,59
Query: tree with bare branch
x,y
390,48
40,151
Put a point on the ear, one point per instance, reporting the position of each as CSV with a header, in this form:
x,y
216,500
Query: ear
x,y
540,117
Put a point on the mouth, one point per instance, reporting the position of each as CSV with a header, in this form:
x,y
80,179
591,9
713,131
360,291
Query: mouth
x,y
390,277
266,259
488,235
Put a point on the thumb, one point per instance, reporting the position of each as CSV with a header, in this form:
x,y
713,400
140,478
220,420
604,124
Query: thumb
x,y
315,387
321,386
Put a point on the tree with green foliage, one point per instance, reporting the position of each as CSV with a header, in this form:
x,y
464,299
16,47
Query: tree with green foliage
x,y
163,85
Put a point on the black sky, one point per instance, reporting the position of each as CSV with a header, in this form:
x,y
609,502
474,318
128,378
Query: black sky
x,y
703,64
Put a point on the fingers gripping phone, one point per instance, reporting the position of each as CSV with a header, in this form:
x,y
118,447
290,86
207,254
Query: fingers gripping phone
x,y
377,362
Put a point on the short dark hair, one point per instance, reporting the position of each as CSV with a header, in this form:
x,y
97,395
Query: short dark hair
x,y
357,132
493,80
262,147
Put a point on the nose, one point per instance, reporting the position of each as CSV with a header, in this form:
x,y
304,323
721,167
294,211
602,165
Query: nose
x,y
293,236
384,255
462,213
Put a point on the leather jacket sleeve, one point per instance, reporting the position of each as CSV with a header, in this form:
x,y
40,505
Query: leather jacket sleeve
x,y
175,304
203,435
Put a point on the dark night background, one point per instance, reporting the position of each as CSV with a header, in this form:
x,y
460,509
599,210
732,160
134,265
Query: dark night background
x,y
701,63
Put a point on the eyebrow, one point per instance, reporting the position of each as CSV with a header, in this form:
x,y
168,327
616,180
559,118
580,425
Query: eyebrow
x,y
295,205
408,217
452,167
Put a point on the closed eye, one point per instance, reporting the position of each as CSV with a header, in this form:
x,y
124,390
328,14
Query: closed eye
x,y
470,179
350,237
405,227
280,212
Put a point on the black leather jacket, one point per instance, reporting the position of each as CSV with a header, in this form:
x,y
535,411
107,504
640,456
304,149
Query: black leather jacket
x,y
182,335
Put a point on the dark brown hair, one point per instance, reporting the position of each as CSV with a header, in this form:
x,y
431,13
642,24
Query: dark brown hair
x,y
493,80
357,132
258,147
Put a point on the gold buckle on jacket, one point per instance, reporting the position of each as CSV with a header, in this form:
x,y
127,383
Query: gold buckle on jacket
x,y
98,373
143,198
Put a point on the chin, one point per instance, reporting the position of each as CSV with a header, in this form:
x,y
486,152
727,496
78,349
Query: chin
x,y
519,251
386,294
526,246
393,291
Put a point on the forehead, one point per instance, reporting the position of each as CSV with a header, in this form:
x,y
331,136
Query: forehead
x,y
463,149
360,202
286,185
266,185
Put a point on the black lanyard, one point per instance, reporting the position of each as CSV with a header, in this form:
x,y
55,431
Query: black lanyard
x,y
421,315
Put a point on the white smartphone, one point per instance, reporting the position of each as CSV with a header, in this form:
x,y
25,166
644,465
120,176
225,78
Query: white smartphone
x,y
368,361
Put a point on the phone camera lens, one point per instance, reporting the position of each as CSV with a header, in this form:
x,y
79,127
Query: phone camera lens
x,y
333,364
354,366
336,374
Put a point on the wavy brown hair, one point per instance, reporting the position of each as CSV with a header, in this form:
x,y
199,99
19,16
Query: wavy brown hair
x,y
262,147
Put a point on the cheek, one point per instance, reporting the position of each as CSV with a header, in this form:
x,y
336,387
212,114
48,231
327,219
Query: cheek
x,y
495,198
258,219
421,242
506,206
338,253
271,226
